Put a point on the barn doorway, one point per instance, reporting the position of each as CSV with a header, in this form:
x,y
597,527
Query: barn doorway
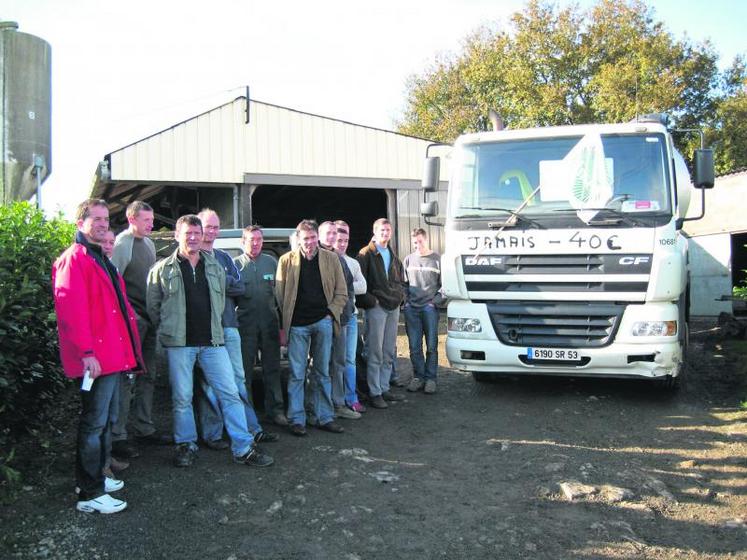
x,y
285,206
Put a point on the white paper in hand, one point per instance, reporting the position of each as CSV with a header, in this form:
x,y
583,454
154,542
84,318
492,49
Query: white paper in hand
x,y
87,381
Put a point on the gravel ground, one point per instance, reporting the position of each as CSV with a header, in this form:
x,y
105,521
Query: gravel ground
x,y
521,468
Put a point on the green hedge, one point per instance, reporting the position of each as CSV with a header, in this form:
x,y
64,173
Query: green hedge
x,y
30,373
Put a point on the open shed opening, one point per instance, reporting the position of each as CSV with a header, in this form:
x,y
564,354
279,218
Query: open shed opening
x,y
739,267
284,206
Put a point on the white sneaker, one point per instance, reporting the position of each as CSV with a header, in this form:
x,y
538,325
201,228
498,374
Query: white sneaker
x,y
110,485
345,412
103,504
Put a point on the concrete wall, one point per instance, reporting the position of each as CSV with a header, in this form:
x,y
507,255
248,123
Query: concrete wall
x,y
724,210
710,274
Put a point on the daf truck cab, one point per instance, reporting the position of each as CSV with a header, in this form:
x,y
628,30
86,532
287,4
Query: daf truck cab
x,y
564,251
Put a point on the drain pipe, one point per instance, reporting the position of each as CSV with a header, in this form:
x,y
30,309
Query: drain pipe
x,y
236,207
38,167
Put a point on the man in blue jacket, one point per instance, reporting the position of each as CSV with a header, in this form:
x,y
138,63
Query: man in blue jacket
x,y
210,417
186,298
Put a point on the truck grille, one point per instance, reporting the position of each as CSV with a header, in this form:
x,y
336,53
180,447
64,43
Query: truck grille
x,y
606,273
556,324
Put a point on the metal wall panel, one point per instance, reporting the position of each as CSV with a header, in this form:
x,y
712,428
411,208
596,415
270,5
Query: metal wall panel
x,y
724,210
710,274
218,146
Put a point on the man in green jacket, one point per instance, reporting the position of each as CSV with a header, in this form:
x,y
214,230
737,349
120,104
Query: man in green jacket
x,y
185,298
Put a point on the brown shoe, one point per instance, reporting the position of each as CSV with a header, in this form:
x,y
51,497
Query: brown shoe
x,y
124,450
118,464
280,420
378,402
156,438
297,430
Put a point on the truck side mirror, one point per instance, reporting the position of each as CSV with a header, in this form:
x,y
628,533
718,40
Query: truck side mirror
x,y
429,209
431,173
704,171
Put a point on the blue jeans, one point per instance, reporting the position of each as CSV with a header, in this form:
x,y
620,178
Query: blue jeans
x,y
316,337
337,366
216,366
208,409
99,411
351,346
419,322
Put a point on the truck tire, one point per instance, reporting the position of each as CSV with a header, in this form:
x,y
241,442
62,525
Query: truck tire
x,y
684,319
669,384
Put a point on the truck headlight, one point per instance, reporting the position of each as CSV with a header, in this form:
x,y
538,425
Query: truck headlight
x,y
461,324
655,328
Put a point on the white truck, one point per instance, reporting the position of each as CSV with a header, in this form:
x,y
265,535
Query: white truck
x,y
564,250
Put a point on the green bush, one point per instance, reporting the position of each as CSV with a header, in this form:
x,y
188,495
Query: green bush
x,y
30,373
740,292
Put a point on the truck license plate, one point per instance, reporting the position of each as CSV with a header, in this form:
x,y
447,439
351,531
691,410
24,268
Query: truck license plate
x,y
560,354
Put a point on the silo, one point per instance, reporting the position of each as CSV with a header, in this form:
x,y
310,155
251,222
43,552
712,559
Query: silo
x,y
25,112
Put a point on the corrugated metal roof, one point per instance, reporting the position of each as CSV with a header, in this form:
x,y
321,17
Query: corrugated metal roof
x,y
218,146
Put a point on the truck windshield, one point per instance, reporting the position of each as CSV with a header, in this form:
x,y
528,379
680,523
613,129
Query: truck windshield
x,y
625,173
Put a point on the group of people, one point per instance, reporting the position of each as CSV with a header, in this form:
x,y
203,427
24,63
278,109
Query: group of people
x,y
213,315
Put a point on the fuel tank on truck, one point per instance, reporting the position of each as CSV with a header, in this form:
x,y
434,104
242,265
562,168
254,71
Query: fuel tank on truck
x,y
25,112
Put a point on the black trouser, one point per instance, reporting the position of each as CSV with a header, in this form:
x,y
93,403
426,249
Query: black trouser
x,y
265,338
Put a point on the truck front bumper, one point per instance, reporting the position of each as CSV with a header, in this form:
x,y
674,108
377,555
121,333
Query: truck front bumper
x,y
617,360
626,356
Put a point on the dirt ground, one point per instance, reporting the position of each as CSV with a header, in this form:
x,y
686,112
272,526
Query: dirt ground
x,y
522,468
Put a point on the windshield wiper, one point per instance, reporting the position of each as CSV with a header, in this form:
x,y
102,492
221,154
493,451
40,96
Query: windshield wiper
x,y
616,217
509,222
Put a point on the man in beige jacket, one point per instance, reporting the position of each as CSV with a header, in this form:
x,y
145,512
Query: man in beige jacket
x,y
311,292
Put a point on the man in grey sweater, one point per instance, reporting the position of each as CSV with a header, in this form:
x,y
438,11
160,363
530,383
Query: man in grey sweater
x,y
423,280
133,255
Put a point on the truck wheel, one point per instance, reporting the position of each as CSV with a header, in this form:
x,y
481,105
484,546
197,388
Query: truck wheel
x,y
669,384
684,319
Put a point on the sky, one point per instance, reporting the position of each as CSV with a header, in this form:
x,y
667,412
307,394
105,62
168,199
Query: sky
x,y
124,70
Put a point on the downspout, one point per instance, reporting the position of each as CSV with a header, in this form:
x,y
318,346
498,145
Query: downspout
x,y
236,207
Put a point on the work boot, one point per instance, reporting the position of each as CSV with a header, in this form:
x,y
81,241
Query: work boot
x,y
416,384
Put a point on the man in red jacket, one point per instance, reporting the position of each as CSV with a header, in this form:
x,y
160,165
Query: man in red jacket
x,y
98,339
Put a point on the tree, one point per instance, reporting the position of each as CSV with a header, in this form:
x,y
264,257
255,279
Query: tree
x,y
727,133
553,66
30,375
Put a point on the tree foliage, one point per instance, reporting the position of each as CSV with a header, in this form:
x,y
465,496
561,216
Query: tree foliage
x,y
30,374
556,66
727,132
